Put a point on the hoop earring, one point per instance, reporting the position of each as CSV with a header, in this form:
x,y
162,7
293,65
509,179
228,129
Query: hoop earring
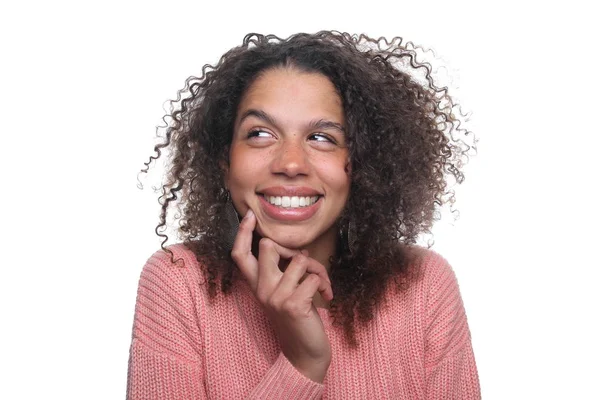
x,y
352,236
233,221
349,236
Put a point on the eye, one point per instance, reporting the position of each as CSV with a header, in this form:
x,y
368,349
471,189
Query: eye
x,y
259,133
321,137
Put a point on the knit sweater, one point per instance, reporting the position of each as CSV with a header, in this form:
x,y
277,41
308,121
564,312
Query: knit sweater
x,y
188,346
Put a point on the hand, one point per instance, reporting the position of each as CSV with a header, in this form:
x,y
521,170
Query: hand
x,y
287,299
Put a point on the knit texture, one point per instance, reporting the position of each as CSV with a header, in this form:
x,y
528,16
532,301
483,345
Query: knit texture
x,y
188,346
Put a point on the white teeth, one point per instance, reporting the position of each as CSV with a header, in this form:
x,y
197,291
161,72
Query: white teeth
x,y
295,202
292,201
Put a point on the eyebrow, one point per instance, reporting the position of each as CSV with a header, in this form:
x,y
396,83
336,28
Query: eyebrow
x,y
319,124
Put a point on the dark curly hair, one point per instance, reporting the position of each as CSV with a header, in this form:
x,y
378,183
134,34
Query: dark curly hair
x,y
404,139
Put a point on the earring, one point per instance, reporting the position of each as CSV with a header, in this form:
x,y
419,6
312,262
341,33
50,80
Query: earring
x,y
349,236
233,221
352,236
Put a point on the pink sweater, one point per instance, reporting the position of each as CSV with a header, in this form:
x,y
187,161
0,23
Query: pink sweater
x,y
184,346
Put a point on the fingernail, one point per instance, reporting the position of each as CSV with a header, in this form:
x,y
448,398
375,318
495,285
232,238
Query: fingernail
x,y
249,214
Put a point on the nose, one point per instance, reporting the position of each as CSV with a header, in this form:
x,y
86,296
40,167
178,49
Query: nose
x,y
290,159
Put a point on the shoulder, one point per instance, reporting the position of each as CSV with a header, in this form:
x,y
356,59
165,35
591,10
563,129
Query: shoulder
x,y
171,275
174,263
176,255
432,300
425,275
168,302
445,319
425,266
430,280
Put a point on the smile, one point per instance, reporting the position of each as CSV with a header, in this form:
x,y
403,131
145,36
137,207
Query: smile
x,y
290,208
291,201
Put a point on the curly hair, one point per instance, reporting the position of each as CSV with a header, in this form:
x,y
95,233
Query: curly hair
x,y
404,139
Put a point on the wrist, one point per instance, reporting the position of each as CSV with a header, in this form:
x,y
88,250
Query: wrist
x,y
314,371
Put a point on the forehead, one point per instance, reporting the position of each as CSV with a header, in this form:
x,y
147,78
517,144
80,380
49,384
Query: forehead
x,y
288,90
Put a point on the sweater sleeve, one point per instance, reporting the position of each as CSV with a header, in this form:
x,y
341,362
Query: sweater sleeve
x,y
450,368
165,359
284,381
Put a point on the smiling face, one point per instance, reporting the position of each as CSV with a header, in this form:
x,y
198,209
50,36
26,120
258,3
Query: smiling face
x,y
289,159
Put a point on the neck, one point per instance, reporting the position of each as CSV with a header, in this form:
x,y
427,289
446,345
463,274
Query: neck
x,y
322,250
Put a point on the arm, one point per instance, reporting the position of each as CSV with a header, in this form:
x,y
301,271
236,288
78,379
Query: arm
x,y
451,372
164,360
166,354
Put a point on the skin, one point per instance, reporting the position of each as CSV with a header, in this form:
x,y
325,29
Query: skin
x,y
289,132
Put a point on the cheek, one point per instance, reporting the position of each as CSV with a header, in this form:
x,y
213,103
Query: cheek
x,y
245,169
336,173
238,166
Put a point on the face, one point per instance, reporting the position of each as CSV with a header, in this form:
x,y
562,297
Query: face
x,y
289,159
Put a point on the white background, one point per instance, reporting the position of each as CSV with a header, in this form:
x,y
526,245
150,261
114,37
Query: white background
x,y
83,87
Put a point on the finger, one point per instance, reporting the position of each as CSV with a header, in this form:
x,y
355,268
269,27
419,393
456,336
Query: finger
x,y
324,283
306,291
291,277
269,273
284,252
241,252
302,265
315,267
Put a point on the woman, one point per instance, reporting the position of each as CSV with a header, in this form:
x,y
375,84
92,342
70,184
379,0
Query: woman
x,y
336,157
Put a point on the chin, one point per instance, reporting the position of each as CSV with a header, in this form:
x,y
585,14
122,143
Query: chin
x,y
285,238
291,242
